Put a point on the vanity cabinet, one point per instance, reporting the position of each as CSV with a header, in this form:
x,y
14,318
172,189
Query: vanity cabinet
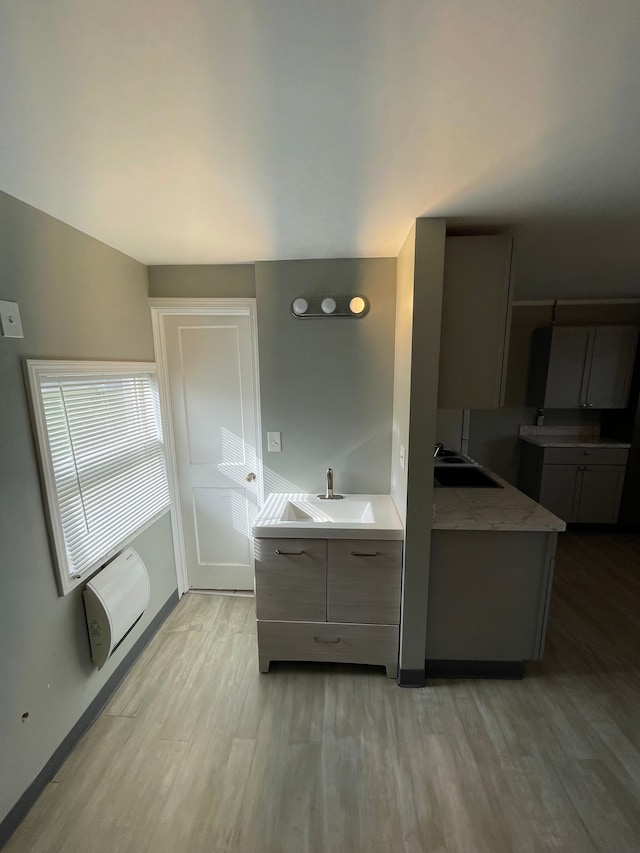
x,y
328,600
577,484
582,367
476,321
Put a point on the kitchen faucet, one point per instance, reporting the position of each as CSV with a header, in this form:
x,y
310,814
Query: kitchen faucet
x,y
438,449
329,496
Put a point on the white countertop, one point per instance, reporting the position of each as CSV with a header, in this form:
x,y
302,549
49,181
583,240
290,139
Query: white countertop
x,y
558,436
269,523
572,441
491,509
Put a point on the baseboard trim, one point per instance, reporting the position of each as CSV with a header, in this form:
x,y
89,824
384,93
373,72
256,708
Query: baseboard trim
x,y
18,813
412,678
507,669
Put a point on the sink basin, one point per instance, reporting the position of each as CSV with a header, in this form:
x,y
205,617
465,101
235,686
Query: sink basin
x,y
321,512
301,516
464,478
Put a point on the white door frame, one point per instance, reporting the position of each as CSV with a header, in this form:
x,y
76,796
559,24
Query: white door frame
x,y
164,307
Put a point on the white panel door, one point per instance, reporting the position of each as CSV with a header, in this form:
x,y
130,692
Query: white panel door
x,y
210,359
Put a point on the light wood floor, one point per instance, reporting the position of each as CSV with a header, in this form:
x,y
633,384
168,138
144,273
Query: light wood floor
x,y
199,752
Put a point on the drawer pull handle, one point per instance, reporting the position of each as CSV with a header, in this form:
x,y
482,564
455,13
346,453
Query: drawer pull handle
x,y
326,642
364,553
289,553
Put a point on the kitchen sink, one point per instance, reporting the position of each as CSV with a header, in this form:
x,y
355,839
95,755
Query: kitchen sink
x,y
464,478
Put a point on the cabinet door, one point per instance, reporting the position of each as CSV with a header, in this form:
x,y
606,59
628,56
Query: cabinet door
x,y
612,360
558,490
476,314
568,363
488,594
291,579
364,581
600,488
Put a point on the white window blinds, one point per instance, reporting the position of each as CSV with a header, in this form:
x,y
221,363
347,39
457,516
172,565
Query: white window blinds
x,y
102,453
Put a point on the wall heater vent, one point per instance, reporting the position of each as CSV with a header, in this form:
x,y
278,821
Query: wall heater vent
x,y
114,600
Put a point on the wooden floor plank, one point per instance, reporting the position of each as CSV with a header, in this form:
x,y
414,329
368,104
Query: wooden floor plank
x,y
199,752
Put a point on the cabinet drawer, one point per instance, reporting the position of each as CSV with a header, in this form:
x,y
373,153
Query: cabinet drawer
x,y
364,581
291,579
585,455
371,644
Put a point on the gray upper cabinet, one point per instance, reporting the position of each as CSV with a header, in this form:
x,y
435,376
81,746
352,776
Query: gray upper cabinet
x,y
476,315
582,367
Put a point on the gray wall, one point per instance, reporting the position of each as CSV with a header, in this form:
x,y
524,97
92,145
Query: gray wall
x,y
570,256
576,257
222,281
430,239
327,384
402,372
78,299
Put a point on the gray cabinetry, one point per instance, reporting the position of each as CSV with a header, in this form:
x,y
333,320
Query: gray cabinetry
x,y
489,594
328,600
557,491
582,366
598,493
577,484
476,314
363,581
291,583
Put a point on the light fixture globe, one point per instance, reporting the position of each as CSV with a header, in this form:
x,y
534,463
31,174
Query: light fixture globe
x,y
300,306
328,305
357,305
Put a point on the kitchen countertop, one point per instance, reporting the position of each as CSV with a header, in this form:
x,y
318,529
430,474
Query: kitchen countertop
x,y
572,441
568,437
491,509
453,509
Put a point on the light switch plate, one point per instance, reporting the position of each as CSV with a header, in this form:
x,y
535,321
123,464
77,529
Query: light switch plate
x,y
10,322
402,456
274,442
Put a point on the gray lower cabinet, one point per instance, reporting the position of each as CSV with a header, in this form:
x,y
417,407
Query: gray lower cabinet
x,y
579,485
328,600
489,594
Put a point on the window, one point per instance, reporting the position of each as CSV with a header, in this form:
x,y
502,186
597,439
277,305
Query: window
x,y
101,451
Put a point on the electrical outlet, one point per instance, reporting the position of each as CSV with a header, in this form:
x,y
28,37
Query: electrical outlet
x,y
274,442
10,322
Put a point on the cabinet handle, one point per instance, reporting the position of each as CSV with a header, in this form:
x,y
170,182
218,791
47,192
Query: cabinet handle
x,y
364,553
587,453
289,553
326,642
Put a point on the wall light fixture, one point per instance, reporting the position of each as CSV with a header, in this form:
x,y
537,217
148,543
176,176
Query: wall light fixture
x,y
316,307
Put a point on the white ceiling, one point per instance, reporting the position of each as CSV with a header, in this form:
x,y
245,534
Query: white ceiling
x,y
214,131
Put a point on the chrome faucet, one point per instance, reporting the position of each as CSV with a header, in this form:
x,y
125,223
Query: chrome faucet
x,y
329,496
438,449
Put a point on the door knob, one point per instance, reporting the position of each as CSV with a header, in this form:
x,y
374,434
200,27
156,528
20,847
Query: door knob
x,y
250,477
